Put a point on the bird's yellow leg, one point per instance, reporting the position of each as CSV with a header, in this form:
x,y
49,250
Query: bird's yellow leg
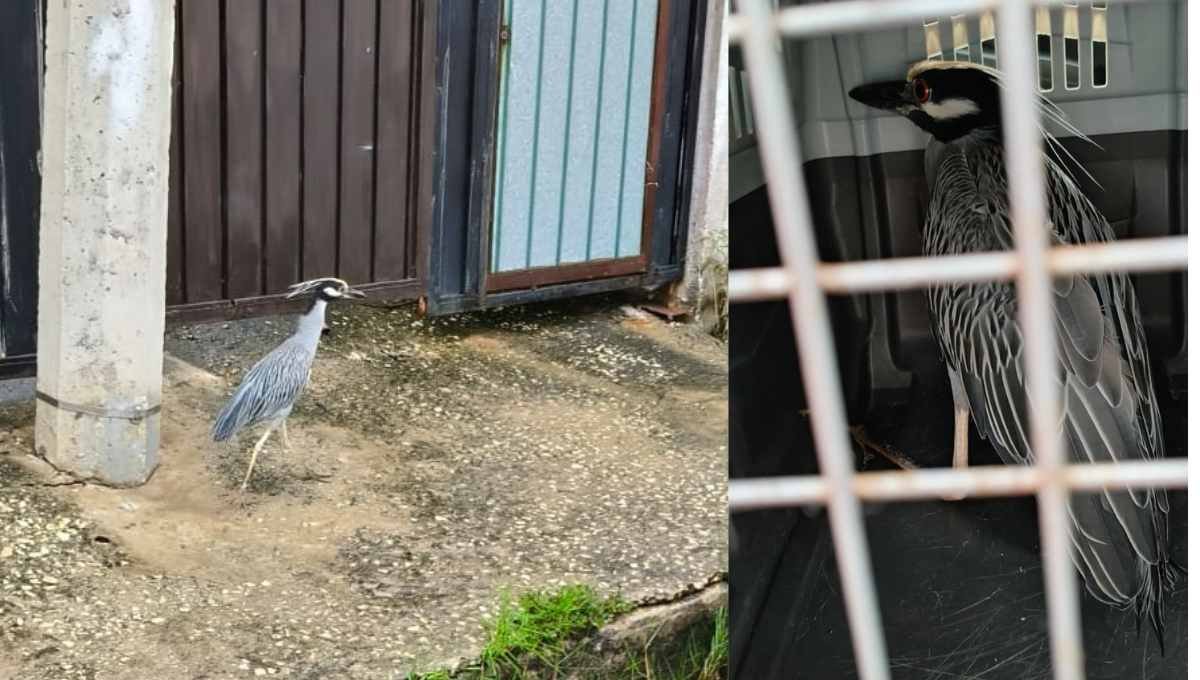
x,y
962,415
254,456
287,443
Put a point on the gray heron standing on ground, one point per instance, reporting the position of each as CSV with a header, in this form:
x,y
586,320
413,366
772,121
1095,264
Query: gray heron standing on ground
x,y
271,387
1110,413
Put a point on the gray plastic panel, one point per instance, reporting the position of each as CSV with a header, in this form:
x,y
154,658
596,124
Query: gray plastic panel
x,y
1146,90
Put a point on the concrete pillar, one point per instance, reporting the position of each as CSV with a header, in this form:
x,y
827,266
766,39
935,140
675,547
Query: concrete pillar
x,y
705,284
106,144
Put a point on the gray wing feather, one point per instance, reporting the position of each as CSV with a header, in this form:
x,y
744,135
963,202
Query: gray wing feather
x,y
270,386
1110,412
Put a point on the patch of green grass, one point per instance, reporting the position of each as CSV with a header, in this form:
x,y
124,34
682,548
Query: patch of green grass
x,y
701,659
535,633
716,661
534,630
538,625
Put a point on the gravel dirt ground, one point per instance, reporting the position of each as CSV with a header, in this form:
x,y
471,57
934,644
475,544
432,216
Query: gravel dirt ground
x,y
435,464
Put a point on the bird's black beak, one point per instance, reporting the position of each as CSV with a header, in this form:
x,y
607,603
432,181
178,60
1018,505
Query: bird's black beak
x,y
888,96
354,293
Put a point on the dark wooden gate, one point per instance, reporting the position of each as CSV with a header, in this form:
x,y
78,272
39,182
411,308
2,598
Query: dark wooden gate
x,y
20,182
302,148
353,138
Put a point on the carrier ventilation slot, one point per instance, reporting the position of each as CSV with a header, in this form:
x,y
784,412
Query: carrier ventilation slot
x,y
1099,44
1075,52
1071,63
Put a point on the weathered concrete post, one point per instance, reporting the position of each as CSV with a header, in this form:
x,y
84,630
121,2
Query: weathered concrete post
x,y
106,144
705,284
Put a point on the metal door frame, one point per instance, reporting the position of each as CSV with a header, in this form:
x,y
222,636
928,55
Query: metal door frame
x,y
534,277
21,62
464,166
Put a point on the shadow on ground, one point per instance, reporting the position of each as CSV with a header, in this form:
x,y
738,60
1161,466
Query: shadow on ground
x,y
553,444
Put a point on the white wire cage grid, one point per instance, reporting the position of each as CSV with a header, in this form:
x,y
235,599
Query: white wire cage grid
x,y
756,26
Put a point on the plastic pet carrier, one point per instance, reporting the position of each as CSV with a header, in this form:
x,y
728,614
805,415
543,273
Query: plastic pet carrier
x,y
960,584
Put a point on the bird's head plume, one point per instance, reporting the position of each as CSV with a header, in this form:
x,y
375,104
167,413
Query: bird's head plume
x,y
947,99
955,99
328,289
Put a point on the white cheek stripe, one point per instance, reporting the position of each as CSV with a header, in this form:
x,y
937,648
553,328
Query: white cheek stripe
x,y
950,109
332,292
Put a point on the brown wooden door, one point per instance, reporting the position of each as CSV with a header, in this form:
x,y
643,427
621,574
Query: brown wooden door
x,y
301,147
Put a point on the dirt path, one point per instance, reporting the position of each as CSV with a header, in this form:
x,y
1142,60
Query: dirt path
x,y
524,448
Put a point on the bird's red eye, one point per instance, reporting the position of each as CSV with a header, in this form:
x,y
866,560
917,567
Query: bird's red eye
x,y
921,90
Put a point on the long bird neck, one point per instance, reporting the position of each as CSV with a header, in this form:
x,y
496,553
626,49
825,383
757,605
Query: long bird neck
x,y
312,323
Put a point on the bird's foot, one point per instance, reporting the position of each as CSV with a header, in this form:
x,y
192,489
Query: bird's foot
x,y
311,475
868,447
243,499
867,456
864,441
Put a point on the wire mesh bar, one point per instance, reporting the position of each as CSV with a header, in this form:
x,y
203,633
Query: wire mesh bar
x,y
1158,254
753,285
814,336
1026,170
916,272
938,483
850,15
901,273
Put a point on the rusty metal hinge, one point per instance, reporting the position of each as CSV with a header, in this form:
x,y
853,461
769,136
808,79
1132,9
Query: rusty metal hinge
x,y
504,34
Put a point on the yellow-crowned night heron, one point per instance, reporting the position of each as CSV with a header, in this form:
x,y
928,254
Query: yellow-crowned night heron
x,y
1110,412
271,387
